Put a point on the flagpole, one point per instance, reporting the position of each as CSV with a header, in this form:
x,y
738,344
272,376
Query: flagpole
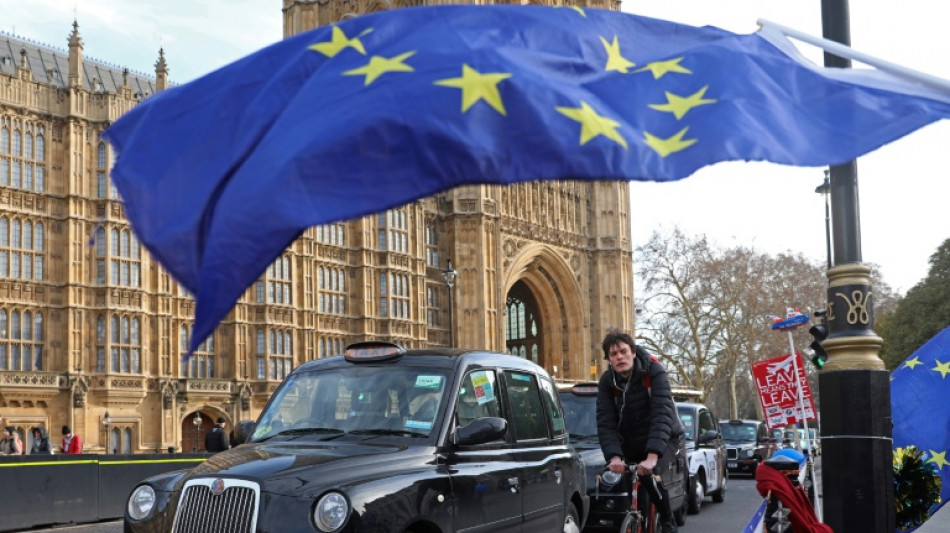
x,y
847,52
809,463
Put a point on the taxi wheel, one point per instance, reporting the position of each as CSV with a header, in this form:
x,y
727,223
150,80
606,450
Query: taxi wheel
x,y
696,494
572,521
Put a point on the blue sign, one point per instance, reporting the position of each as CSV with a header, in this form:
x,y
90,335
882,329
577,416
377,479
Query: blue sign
x,y
791,322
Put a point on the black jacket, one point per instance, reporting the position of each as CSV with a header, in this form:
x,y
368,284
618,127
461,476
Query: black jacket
x,y
216,440
631,420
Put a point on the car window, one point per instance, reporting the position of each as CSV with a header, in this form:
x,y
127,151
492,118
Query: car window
x,y
477,397
706,423
555,414
689,423
364,398
739,432
527,414
581,415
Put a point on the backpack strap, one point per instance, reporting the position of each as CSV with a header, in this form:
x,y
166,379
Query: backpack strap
x,y
646,375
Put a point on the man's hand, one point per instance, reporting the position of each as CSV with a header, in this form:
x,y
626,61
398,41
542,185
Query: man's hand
x,y
616,465
646,466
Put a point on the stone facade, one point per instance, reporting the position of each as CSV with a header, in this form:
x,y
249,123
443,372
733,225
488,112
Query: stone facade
x,y
92,329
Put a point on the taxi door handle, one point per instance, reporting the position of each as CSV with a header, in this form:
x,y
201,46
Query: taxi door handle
x,y
513,484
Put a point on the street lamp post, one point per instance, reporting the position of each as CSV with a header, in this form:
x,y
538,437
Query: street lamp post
x,y
825,191
449,275
106,422
197,422
854,385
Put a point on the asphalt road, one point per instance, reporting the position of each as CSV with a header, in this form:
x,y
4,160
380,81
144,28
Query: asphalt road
x,y
728,517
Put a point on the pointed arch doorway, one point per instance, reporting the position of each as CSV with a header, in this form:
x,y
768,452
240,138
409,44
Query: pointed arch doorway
x,y
523,328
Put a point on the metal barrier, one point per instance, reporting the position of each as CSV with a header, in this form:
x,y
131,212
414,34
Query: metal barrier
x,y
41,490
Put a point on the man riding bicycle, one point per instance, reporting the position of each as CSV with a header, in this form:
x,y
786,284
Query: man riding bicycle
x,y
636,417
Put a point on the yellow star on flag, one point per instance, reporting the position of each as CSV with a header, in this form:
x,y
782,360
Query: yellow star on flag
x,y
477,86
659,68
338,41
943,368
379,65
679,106
911,363
593,124
615,60
667,146
938,457
578,9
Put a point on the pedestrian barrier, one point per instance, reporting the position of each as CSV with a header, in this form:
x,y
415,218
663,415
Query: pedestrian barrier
x,y
46,490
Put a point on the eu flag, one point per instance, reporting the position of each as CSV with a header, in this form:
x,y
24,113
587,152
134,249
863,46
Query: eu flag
x,y
221,174
920,388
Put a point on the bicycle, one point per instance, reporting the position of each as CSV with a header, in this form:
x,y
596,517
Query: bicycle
x,y
642,516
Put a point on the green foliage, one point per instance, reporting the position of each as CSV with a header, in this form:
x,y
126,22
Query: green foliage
x,y
921,314
917,487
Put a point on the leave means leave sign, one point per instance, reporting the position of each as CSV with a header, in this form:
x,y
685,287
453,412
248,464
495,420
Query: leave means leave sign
x,y
778,388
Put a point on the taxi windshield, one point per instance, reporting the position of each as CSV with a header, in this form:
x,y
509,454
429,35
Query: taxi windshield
x,y
738,432
364,399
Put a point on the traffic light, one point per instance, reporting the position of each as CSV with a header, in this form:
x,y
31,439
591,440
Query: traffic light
x,y
819,331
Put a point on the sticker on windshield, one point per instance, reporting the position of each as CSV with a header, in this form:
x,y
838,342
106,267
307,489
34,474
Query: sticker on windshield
x,y
483,390
428,382
418,424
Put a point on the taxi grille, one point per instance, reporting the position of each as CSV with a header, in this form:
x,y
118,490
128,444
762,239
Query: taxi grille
x,y
732,453
233,510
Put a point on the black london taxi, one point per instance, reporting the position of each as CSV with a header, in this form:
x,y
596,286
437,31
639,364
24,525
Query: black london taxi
x,y
609,503
748,444
384,439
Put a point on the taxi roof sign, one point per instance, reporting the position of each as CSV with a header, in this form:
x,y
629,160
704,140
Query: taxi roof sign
x,y
373,351
584,389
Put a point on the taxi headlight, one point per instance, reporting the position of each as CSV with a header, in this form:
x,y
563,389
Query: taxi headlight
x,y
608,479
330,512
141,502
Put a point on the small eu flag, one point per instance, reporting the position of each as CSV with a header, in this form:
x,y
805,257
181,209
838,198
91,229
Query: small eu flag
x,y
920,388
220,175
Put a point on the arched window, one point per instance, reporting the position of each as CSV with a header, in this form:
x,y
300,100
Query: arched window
x,y
522,327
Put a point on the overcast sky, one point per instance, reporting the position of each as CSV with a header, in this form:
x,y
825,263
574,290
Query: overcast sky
x,y
904,187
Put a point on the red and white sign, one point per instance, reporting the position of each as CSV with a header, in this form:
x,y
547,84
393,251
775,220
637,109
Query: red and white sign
x,y
778,390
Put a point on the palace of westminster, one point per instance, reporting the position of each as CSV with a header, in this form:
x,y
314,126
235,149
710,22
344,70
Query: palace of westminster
x,y
92,329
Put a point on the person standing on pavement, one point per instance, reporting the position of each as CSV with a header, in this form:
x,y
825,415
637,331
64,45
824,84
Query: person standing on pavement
x,y
9,444
71,444
217,440
41,445
636,417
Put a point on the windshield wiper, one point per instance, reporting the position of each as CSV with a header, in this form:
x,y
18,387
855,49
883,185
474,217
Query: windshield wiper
x,y
304,431
400,432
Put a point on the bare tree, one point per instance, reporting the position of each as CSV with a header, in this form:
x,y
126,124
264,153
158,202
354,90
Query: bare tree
x,y
704,310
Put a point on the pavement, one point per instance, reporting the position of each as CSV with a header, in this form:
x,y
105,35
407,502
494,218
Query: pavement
x,y
938,523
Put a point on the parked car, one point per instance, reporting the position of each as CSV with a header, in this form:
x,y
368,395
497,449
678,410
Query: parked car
x,y
748,443
806,444
609,504
386,439
706,454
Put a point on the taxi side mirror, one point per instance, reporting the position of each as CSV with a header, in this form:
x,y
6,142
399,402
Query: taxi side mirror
x,y
243,432
709,437
480,431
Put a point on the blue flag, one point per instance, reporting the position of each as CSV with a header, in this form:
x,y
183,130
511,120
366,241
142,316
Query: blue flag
x,y
220,175
920,406
757,522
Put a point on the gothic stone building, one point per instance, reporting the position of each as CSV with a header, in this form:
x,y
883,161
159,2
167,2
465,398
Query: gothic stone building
x,y
91,325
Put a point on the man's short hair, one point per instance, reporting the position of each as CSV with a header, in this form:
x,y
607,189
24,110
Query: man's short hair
x,y
613,337
66,430
221,420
